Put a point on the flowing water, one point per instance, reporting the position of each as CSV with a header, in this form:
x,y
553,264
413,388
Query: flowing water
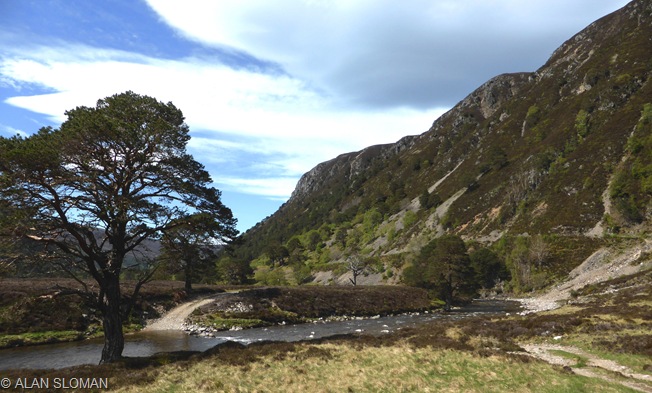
x,y
147,343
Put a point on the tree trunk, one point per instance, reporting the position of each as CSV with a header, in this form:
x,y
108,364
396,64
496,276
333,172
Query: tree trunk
x,y
354,280
449,301
448,293
112,320
188,274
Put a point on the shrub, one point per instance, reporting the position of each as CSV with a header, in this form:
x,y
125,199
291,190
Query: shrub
x,y
266,276
428,200
409,219
582,124
533,115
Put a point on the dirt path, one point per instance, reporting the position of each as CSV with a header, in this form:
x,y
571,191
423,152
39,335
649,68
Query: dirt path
x,y
589,365
602,265
175,318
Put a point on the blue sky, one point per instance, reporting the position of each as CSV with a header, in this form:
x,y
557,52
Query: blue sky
x,y
272,88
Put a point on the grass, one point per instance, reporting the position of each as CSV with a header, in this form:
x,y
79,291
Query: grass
x,y
42,310
316,301
480,354
48,337
580,361
219,323
280,305
567,310
613,321
337,367
638,363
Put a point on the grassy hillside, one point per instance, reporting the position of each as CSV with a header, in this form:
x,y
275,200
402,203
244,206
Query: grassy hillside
x,y
559,158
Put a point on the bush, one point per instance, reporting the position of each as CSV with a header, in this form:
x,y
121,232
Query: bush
x,y
267,276
428,200
533,115
409,219
582,124
627,207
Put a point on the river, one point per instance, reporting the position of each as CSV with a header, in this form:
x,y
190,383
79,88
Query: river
x,y
147,343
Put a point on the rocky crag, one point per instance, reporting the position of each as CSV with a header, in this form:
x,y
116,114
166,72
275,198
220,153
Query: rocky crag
x,y
563,153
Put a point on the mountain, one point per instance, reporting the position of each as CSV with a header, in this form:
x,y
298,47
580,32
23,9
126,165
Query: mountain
x,y
561,157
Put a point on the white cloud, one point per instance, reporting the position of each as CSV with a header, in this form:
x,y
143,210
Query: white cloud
x,y
384,53
349,73
275,188
277,118
11,131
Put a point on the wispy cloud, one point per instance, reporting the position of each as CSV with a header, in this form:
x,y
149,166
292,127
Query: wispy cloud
x,y
274,116
9,131
270,89
386,53
274,188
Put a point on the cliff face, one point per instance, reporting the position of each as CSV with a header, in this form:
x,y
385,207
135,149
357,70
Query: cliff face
x,y
485,100
347,166
562,151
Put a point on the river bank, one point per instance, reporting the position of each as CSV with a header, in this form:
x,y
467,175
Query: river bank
x,y
46,311
271,306
592,324
35,311
147,343
610,320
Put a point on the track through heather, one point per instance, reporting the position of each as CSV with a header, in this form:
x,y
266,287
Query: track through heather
x,y
175,318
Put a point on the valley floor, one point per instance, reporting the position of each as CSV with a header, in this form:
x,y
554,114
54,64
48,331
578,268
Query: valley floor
x,y
592,333
600,341
334,367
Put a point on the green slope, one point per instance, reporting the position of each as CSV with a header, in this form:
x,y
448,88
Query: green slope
x,y
564,152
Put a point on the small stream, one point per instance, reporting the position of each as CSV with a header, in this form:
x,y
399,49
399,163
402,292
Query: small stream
x,y
151,342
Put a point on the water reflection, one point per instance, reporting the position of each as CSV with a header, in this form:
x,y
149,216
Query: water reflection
x,y
151,342
89,351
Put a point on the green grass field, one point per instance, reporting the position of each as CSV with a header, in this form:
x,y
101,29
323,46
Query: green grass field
x,y
337,367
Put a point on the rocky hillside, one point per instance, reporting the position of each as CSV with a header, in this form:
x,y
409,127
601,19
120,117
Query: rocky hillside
x,y
544,167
